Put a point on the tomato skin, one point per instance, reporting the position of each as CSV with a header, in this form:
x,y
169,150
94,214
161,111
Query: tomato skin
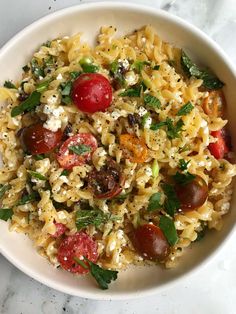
x,y
192,195
219,148
135,148
91,92
150,242
36,139
68,159
60,230
77,245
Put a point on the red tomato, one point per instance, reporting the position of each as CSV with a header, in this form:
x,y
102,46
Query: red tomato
x,y
68,159
36,139
219,148
77,245
91,92
150,242
60,230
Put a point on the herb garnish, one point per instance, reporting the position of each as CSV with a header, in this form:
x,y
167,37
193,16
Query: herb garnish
x,y
36,69
116,70
138,65
167,226
185,109
154,202
171,203
155,169
210,81
183,165
183,178
157,126
42,86
39,157
151,101
3,189
66,91
65,172
28,198
9,84
156,67
94,217
88,66
75,74
201,234
80,149
30,103
132,92
102,276
37,175
6,213
144,119
173,131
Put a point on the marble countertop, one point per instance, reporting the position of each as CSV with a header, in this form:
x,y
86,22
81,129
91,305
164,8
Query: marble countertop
x,y
211,290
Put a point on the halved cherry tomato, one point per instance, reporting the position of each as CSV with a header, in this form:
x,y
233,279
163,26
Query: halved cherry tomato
x,y
219,148
150,242
192,195
79,245
68,159
60,230
214,104
91,92
107,182
36,139
135,148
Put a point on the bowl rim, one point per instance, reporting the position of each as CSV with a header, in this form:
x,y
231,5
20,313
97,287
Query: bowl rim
x,y
141,8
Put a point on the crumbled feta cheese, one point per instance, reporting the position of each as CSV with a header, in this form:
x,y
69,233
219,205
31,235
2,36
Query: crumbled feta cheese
x,y
61,215
15,121
102,153
104,208
201,164
142,111
118,113
148,171
54,122
40,211
64,179
127,185
125,63
59,77
225,206
131,78
203,123
112,245
120,234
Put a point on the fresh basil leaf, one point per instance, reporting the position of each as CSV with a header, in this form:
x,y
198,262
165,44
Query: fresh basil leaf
x,y
167,226
94,217
75,74
138,65
28,198
80,149
9,84
102,276
30,103
157,126
183,165
3,189
43,86
132,92
185,109
171,203
65,172
183,178
6,213
210,81
154,202
36,69
174,131
37,175
151,101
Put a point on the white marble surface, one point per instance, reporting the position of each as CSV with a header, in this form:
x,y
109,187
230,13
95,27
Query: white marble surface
x,y
211,290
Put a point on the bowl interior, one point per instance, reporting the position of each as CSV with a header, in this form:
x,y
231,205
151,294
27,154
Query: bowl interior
x,y
88,19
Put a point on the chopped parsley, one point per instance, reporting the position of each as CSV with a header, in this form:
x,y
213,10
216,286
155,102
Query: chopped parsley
x,y
144,119
185,109
36,69
171,203
80,149
116,71
39,157
43,86
28,198
37,175
6,213
132,92
183,165
183,178
66,91
9,84
173,131
94,217
154,202
151,101
75,74
65,172
138,65
30,103
210,81
167,226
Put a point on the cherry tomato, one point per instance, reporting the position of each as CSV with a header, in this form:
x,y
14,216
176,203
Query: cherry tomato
x,y
192,195
135,148
60,230
36,139
77,245
91,92
214,104
150,242
107,182
68,159
219,148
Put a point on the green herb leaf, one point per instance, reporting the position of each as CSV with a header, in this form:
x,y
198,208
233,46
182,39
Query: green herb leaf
x,y
80,149
174,131
138,65
210,81
36,69
66,88
30,103
94,217
122,196
90,68
154,202
157,126
185,109
6,213
156,67
155,169
80,262
75,74
28,198
144,119
183,165
39,157
3,189
9,84
116,72
183,178
43,86
47,44
102,276
171,203
132,92
37,175
151,101
65,172
167,226
49,62
201,234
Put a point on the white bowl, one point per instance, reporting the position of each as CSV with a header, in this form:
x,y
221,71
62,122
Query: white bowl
x,y
88,18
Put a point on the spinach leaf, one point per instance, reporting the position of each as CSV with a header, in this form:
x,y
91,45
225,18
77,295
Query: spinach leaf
x,y
9,84
183,178
210,81
151,101
80,149
185,109
3,189
167,226
30,103
6,213
171,203
154,202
